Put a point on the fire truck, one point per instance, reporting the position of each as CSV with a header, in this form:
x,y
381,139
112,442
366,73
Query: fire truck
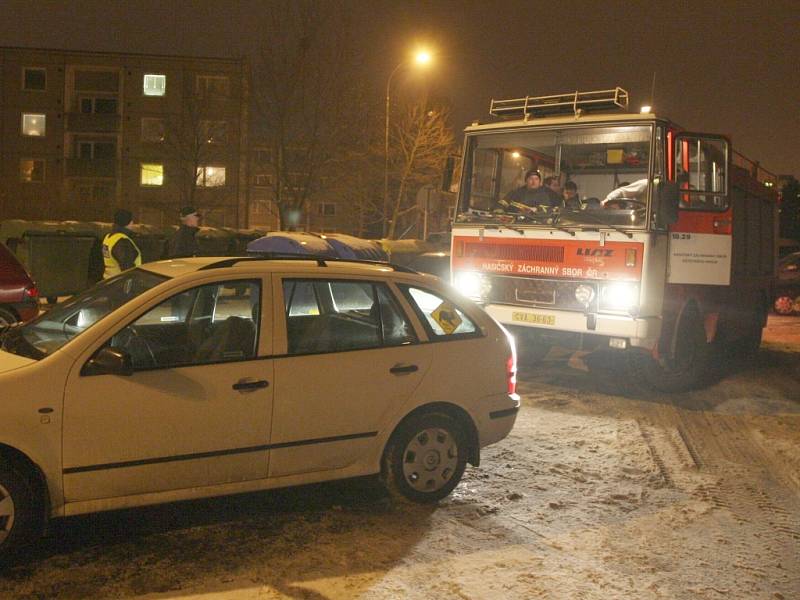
x,y
665,250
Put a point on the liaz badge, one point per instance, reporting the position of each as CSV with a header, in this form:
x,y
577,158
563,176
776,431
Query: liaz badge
x,y
447,317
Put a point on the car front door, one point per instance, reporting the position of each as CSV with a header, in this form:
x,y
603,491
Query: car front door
x,y
352,358
195,412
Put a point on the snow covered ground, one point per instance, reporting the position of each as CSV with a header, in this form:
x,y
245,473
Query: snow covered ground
x,y
602,491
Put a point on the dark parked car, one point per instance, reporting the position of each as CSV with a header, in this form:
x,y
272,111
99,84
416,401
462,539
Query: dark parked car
x,y
435,263
19,298
787,290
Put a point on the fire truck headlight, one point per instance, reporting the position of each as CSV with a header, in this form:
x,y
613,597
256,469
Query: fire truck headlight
x,y
619,295
474,286
584,294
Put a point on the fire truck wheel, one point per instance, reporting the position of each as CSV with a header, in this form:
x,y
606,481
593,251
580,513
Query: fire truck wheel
x,y
687,369
532,352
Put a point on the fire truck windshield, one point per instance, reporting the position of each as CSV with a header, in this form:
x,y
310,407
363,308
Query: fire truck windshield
x,y
590,176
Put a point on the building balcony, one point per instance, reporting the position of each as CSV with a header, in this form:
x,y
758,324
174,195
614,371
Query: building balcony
x,y
92,122
82,167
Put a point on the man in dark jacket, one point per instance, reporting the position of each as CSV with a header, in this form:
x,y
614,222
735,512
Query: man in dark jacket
x,y
533,193
119,250
184,241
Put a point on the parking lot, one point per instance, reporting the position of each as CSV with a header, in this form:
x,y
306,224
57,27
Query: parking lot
x,y
601,491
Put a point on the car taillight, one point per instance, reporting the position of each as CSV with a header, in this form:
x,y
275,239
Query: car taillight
x,y
511,373
32,292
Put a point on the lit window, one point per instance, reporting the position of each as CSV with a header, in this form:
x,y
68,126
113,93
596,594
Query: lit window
x,y
151,174
210,176
33,124
155,85
34,79
31,170
152,130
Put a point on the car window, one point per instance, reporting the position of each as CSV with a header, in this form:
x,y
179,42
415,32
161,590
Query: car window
x,y
345,315
441,316
216,322
54,328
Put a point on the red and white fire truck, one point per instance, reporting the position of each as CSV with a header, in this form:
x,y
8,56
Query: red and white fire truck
x,y
666,252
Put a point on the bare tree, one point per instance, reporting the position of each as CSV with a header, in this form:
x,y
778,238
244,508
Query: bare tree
x,y
307,94
421,141
190,139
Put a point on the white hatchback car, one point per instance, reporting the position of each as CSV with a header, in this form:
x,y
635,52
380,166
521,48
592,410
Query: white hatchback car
x,y
208,376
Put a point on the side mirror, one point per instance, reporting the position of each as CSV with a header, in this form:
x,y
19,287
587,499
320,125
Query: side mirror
x,y
447,175
667,202
109,361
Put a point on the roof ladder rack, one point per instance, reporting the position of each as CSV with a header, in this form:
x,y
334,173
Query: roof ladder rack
x,y
575,103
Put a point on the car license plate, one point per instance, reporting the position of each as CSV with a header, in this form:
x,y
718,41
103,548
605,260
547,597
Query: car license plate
x,y
533,318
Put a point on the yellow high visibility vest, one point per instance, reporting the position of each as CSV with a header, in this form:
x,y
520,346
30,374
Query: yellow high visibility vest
x,y
111,265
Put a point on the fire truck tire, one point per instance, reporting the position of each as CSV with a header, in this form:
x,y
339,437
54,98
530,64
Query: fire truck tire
x,y
532,352
748,343
687,369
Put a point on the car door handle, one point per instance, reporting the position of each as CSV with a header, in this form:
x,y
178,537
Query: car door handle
x,y
402,369
250,385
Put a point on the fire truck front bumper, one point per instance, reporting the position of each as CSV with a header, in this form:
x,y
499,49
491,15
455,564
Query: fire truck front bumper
x,y
579,330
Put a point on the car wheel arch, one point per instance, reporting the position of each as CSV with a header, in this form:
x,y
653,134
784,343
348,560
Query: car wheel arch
x,y
461,416
23,463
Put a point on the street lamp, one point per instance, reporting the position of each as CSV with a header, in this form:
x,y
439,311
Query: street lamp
x,y
421,59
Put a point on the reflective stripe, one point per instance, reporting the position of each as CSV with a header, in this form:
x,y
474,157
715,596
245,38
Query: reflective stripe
x,y
112,267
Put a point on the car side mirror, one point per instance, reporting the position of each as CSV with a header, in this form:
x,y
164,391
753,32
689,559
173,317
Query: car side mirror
x,y
667,201
109,361
447,174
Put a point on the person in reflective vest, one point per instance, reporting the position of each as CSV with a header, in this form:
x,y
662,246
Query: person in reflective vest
x,y
119,250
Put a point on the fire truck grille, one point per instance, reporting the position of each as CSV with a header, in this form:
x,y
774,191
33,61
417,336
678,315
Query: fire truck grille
x,y
508,252
547,293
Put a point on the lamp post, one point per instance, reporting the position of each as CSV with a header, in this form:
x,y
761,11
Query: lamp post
x,y
422,58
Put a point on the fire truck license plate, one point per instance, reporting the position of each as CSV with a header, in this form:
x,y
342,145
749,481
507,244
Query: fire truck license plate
x,y
533,318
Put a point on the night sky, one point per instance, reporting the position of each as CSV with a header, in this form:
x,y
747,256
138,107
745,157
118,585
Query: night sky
x,y
721,66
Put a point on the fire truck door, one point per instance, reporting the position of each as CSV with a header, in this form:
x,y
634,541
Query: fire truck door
x,y
700,242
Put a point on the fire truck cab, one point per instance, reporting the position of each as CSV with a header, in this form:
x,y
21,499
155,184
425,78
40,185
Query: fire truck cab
x,y
582,225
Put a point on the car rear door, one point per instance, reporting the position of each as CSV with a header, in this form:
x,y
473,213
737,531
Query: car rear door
x,y
349,357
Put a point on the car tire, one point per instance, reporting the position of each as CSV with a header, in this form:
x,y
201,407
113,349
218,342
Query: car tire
x,y
425,458
19,519
7,318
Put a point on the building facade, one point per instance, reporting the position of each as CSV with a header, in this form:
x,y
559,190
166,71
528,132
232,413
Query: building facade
x,y
85,133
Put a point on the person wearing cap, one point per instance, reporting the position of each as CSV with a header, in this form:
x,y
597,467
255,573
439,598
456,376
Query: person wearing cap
x,y
570,194
184,241
533,193
119,250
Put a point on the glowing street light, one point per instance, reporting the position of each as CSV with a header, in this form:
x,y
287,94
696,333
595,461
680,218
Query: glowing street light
x,y
421,59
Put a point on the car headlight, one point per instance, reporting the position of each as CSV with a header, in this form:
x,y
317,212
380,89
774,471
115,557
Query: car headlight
x,y
584,294
473,285
619,295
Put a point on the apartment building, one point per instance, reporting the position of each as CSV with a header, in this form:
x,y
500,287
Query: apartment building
x,y
83,133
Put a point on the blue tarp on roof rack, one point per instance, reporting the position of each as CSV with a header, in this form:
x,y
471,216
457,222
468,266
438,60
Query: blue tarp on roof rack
x,y
333,245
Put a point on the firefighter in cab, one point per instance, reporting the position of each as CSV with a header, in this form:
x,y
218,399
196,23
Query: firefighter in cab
x,y
119,250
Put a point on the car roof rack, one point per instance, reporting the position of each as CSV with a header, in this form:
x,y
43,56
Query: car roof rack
x,y
575,103
322,261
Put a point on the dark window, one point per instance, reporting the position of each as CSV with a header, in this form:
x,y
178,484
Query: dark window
x,y
333,316
35,79
217,322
